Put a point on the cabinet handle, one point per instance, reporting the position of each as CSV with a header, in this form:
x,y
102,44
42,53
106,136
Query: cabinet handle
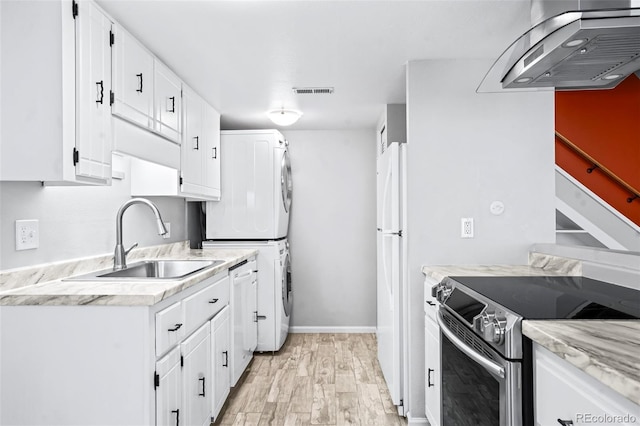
x,y
226,358
255,316
197,145
139,89
214,152
173,104
175,327
203,387
213,301
100,91
430,303
429,371
177,412
565,422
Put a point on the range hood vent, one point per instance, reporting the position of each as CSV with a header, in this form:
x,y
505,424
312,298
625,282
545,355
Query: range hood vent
x,y
313,90
589,48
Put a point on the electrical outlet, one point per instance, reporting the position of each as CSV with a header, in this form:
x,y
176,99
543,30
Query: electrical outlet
x,y
27,234
167,226
466,229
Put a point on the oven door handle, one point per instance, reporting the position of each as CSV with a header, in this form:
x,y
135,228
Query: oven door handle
x,y
491,366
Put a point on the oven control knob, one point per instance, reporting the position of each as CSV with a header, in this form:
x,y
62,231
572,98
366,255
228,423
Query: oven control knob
x,y
492,328
441,292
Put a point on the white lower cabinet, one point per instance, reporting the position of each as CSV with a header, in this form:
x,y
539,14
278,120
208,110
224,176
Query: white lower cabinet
x,y
118,365
563,393
432,371
432,381
244,321
221,382
168,384
196,376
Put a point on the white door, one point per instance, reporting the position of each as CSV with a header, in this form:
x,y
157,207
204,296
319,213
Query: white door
x,y
93,134
133,80
211,155
196,376
389,297
169,389
220,358
168,102
192,143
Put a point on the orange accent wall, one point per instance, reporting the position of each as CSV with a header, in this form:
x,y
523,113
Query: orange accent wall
x,y
606,125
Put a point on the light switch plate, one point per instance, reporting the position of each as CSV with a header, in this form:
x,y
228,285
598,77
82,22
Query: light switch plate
x,y
167,226
27,234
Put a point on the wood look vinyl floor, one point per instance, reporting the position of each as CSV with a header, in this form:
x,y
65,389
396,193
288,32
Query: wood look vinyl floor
x,y
315,379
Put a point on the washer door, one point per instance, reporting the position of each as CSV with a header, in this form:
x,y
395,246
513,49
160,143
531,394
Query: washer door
x,y
287,294
286,185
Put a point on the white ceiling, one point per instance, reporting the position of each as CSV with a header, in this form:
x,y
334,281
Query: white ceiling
x,y
244,57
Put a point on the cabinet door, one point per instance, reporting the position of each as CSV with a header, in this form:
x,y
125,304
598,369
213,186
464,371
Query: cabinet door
x,y
432,367
242,320
192,143
169,390
252,313
133,79
168,102
196,377
93,85
211,166
220,358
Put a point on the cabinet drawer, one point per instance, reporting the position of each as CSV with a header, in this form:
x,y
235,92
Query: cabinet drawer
x,y
169,328
204,304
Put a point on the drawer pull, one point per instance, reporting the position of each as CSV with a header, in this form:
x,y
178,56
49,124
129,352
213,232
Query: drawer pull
x,y
139,89
430,303
203,386
565,422
226,358
175,327
177,412
429,371
213,301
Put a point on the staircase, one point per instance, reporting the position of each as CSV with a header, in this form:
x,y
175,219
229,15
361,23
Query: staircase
x,y
583,218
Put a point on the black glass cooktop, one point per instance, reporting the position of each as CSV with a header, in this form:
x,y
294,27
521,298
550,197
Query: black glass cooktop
x,y
558,297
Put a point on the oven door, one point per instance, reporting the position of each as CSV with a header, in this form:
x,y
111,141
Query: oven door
x,y
479,387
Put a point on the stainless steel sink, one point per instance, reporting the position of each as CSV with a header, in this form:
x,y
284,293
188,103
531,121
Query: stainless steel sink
x,y
152,269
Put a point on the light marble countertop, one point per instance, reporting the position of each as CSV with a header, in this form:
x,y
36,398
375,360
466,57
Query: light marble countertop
x,y
45,285
606,350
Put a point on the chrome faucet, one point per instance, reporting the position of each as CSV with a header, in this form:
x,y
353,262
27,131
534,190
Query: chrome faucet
x,y
120,255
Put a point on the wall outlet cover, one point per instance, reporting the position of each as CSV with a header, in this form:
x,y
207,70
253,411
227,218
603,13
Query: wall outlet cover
x,y
27,234
466,227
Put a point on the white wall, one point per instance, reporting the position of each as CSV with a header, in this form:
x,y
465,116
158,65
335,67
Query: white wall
x,y
79,221
332,229
466,150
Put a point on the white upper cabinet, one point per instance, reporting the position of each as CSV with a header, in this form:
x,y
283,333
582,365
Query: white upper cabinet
x,y
133,79
200,151
168,102
56,82
93,86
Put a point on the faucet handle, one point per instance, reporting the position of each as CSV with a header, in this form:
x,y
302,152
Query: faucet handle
x,y
126,252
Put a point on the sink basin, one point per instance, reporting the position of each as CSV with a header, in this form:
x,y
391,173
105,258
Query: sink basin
x,y
152,269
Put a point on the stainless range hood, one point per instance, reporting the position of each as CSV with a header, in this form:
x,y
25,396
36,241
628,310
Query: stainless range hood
x,y
572,45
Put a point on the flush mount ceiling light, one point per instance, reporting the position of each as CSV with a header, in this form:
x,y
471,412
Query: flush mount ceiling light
x,y
284,117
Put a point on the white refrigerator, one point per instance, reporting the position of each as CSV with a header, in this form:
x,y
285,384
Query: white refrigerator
x,y
392,271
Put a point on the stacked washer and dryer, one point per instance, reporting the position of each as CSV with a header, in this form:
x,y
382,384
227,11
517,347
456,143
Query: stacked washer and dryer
x,y
253,212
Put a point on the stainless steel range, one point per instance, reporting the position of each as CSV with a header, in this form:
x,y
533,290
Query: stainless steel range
x,y
486,361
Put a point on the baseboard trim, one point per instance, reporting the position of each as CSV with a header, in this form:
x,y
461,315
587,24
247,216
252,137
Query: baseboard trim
x,y
303,329
417,420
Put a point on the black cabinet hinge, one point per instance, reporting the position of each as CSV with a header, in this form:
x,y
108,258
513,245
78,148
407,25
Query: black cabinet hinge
x,y
74,9
156,379
181,361
112,38
112,97
76,156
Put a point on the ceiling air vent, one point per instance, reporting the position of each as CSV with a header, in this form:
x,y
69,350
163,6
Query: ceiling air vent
x,y
313,90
